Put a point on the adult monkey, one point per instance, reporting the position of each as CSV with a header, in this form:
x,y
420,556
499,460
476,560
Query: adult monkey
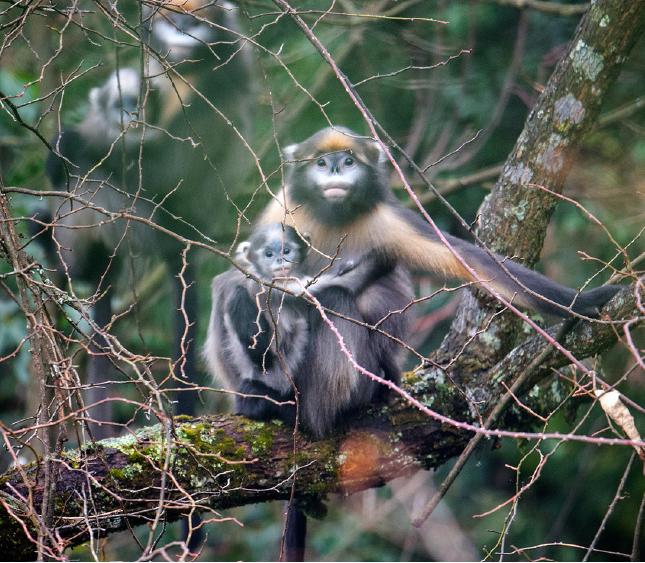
x,y
337,190
82,244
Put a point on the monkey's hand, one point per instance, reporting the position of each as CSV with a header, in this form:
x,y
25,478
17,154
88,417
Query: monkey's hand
x,y
295,286
344,267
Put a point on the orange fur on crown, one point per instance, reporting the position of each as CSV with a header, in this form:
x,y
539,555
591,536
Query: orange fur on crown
x,y
336,141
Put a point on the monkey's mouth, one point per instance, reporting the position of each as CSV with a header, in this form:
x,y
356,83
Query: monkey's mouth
x,y
283,272
335,192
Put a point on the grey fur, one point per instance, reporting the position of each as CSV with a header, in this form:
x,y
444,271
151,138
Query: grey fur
x,y
300,347
337,188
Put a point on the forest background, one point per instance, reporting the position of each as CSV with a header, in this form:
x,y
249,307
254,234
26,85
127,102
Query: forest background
x,y
452,83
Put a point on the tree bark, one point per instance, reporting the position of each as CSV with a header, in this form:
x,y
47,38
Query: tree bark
x,y
514,217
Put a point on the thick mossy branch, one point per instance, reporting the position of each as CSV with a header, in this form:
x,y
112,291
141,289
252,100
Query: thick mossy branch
x,y
222,461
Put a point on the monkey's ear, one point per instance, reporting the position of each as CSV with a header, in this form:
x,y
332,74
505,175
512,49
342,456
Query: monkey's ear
x,y
242,250
289,152
377,153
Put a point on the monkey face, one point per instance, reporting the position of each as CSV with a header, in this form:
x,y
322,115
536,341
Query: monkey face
x,y
336,175
272,252
276,259
114,105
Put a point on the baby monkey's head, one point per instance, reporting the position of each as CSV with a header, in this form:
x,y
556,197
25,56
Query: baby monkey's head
x,y
273,251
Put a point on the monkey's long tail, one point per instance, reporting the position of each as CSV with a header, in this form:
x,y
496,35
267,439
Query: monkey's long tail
x,y
295,534
418,244
531,289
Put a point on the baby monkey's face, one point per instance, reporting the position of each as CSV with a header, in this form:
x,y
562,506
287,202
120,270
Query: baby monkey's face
x,y
273,251
277,258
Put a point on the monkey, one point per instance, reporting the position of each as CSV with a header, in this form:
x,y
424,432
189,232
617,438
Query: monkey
x,y
92,153
202,70
241,349
81,243
261,341
336,188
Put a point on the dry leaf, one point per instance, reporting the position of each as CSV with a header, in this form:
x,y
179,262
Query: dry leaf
x,y
619,413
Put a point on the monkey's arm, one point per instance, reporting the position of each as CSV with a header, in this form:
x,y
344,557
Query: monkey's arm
x,y
355,275
423,250
251,328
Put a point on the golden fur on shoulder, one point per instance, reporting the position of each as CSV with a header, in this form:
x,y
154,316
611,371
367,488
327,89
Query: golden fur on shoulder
x,y
381,229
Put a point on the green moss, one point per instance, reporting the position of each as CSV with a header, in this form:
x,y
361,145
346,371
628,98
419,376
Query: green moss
x,y
136,457
199,437
126,473
259,436
204,454
117,474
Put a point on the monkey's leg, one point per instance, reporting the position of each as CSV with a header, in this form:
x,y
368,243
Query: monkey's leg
x,y
98,370
328,382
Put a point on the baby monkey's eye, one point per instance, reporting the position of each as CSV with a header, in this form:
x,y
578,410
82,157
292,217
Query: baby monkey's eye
x,y
321,162
268,253
349,161
287,250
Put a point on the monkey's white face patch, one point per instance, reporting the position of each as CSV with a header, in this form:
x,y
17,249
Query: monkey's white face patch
x,y
334,185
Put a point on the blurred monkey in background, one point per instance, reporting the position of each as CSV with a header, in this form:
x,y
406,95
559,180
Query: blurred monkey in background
x,y
93,164
172,137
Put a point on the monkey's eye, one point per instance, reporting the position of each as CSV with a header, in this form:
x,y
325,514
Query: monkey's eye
x,y
349,161
287,250
268,253
321,162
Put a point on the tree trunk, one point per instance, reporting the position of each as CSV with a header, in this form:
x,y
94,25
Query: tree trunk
x,y
514,217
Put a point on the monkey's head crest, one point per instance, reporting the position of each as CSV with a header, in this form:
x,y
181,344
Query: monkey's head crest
x,y
336,139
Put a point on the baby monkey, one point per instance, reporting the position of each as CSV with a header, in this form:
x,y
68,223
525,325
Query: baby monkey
x,y
264,341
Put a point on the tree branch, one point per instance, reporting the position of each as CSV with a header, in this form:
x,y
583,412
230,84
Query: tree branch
x,y
514,217
223,461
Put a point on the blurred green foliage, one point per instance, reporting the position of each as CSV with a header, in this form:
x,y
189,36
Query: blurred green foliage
x,y
449,104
